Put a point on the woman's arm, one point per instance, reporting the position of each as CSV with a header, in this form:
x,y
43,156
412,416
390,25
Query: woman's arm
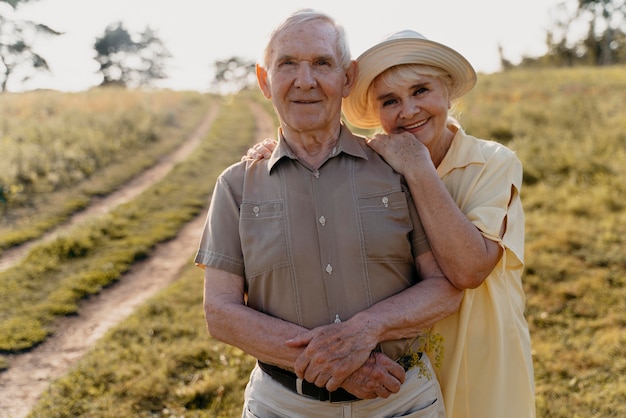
x,y
333,352
466,257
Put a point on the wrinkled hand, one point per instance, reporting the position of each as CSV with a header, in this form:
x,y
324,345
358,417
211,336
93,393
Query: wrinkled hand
x,y
400,150
332,353
260,150
380,376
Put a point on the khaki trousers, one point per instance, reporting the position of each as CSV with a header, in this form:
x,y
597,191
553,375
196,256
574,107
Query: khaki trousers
x,y
419,397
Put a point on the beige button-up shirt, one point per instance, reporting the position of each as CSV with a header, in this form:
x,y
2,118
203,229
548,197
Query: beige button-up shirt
x,y
315,246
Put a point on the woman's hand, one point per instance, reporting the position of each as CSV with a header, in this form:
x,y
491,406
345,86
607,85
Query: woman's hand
x,y
401,151
379,377
332,352
334,356
260,150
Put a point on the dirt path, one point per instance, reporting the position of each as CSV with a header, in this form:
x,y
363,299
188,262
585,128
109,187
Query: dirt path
x,y
30,373
128,192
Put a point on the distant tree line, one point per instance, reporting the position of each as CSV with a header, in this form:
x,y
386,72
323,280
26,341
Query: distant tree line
x,y
130,61
234,74
136,60
604,42
125,59
16,52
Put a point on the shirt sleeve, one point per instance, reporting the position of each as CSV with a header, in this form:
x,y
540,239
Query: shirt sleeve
x,y
494,197
220,243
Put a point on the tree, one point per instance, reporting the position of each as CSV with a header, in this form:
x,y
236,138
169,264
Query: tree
x,y
14,3
234,74
602,44
606,20
17,56
130,61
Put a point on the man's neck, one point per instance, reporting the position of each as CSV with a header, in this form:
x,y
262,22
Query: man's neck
x,y
313,148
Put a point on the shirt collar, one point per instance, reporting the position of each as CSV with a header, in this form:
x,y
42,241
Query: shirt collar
x,y
348,143
461,153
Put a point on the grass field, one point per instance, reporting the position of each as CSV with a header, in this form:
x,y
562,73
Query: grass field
x,y
569,130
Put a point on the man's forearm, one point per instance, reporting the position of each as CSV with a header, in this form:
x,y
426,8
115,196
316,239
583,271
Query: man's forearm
x,y
265,340
257,334
336,351
405,314
230,320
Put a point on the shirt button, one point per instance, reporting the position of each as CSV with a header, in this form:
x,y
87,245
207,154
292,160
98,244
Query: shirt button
x,y
316,174
322,220
329,269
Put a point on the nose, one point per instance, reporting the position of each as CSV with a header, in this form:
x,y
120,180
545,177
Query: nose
x,y
409,109
304,77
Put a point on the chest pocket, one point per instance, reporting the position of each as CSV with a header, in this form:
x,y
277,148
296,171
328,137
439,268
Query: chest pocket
x,y
386,224
263,236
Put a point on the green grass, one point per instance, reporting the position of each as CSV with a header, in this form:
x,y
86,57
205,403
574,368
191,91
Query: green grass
x,y
568,128
44,177
56,276
159,362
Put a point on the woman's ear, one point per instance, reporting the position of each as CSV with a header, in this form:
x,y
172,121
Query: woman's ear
x,y
264,85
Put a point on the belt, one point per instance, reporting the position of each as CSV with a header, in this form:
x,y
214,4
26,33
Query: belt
x,y
291,381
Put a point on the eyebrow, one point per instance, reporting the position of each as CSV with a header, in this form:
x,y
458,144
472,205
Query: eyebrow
x,y
385,96
283,58
329,58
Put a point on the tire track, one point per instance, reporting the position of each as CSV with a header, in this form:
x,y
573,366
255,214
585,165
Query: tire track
x,y
30,373
122,195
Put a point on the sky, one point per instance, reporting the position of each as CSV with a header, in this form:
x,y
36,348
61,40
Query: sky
x,y
199,32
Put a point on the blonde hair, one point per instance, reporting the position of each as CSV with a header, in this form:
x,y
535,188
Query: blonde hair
x,y
397,75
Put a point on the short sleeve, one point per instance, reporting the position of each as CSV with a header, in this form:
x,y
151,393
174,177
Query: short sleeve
x,y
220,244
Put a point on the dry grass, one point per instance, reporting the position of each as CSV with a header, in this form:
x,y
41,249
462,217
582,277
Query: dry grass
x,y
568,128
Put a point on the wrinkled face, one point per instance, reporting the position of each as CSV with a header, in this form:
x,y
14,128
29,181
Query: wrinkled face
x,y
418,105
305,80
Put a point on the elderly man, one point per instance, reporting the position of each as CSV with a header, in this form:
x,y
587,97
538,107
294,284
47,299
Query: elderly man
x,y
315,260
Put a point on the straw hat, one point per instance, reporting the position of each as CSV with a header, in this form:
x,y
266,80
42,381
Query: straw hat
x,y
404,47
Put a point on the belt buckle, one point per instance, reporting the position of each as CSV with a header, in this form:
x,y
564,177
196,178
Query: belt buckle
x,y
299,386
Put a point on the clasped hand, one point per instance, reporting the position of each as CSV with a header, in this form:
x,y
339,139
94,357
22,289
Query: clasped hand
x,y
338,355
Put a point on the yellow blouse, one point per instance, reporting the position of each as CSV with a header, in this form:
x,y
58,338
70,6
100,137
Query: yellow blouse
x,y
487,369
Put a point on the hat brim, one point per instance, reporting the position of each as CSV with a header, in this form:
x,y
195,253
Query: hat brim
x,y
399,51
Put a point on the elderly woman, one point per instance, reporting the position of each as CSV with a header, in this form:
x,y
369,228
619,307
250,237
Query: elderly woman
x,y
467,192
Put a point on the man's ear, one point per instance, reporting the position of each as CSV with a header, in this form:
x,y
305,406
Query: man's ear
x,y
261,78
351,73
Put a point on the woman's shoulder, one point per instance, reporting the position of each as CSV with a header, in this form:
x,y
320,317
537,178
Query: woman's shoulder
x,y
491,149
486,146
